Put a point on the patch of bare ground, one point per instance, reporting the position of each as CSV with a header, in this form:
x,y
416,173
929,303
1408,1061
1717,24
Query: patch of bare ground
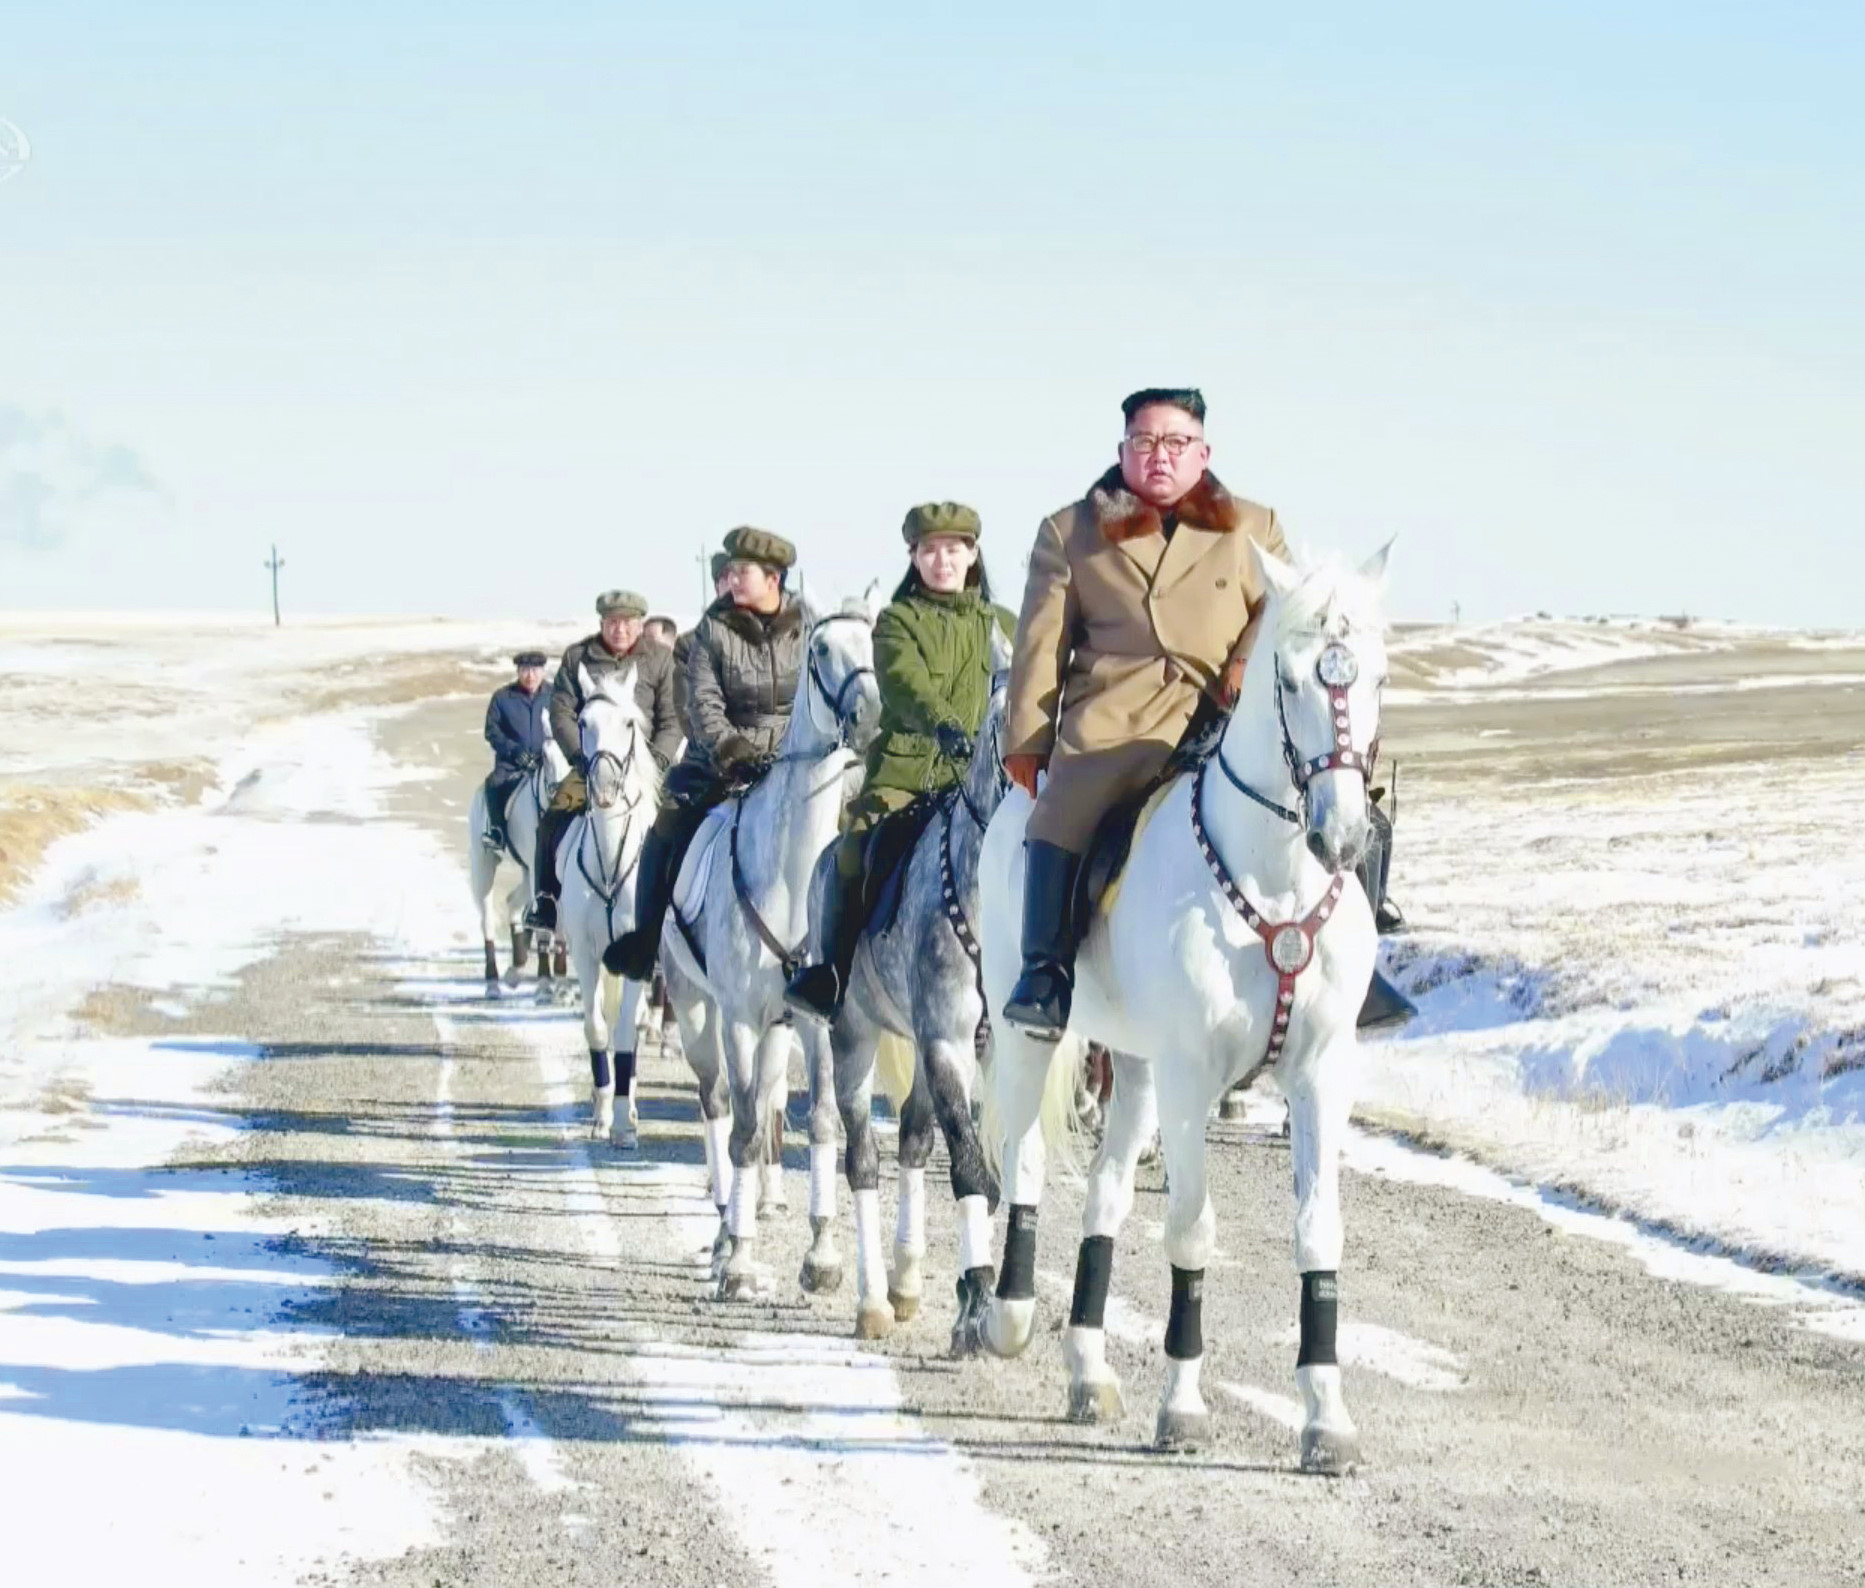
x,y
33,817
119,1010
400,681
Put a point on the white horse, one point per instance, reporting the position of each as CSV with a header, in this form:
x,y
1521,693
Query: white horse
x,y
527,804
740,921
1240,941
598,861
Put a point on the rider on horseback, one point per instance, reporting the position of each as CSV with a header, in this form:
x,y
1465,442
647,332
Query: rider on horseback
x,y
515,728
741,677
1138,614
932,659
616,645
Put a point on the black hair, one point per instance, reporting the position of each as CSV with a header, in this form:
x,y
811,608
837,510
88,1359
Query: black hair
x,y
1187,399
977,579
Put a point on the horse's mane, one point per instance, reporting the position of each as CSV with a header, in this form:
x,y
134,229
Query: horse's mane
x,y
1332,598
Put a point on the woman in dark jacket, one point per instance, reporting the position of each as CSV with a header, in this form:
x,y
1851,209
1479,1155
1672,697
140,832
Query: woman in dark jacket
x,y
933,660
741,678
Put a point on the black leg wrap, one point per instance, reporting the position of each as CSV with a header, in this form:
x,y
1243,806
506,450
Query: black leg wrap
x,y
1094,1268
624,1072
1320,1312
1018,1280
599,1068
1185,1323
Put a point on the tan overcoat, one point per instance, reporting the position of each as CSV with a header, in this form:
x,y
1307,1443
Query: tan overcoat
x,y
1121,630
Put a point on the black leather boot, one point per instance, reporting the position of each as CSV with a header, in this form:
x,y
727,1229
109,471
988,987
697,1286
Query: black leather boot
x,y
819,989
542,916
1039,1003
635,953
1386,1008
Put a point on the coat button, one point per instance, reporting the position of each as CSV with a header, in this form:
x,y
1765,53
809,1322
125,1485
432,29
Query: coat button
x,y
1223,584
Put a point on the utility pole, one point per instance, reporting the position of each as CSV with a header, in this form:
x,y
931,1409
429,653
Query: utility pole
x,y
705,576
275,563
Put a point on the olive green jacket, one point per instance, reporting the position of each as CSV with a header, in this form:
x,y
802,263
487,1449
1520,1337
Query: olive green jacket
x,y
933,660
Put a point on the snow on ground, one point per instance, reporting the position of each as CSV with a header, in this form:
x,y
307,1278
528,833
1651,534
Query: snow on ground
x,y
1494,654
146,1357
1646,981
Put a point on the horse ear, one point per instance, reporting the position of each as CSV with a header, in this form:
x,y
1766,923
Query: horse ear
x,y
871,599
621,685
585,685
1278,577
1374,568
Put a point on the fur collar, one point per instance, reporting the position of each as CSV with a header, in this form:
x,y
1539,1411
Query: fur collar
x,y
785,621
1123,516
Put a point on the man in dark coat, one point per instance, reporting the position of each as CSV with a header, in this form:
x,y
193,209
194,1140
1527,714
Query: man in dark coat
x,y
515,728
616,645
742,671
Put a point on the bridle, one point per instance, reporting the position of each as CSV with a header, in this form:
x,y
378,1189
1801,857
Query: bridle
x,y
836,700
1337,668
1289,946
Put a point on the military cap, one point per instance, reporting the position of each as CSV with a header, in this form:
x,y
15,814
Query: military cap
x,y
746,544
720,561
625,602
530,659
941,518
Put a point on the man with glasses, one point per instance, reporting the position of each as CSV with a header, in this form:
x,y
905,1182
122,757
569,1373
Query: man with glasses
x,y
1141,603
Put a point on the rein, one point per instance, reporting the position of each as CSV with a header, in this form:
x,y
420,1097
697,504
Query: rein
x,y
955,917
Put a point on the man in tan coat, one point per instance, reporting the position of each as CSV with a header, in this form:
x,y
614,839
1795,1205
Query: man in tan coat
x,y
1141,601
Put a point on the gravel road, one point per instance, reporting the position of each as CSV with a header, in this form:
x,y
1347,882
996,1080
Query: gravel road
x,y
1536,1407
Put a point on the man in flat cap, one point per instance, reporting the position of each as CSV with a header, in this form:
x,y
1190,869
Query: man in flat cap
x,y
515,728
741,678
1141,604
617,644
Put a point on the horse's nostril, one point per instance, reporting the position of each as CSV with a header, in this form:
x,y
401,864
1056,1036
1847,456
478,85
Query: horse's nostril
x,y
1316,846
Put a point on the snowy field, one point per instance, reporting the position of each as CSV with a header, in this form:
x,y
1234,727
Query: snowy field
x,y
1633,858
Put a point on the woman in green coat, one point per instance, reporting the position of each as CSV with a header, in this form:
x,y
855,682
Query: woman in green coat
x,y
933,658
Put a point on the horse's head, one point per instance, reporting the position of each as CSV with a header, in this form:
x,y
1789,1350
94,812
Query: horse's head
x,y
614,733
839,688
1325,638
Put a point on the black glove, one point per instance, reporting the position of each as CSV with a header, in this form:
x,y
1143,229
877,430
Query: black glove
x,y
529,761
954,742
733,753
579,764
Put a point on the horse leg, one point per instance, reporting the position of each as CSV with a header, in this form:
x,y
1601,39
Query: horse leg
x,y
852,1039
482,872
618,999
950,1068
1020,1071
1191,1233
1131,1115
596,1035
907,1282
698,1019
822,1265
1320,1098
521,949
749,1055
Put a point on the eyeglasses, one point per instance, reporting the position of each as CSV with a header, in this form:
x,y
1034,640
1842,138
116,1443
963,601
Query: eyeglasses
x,y
1145,444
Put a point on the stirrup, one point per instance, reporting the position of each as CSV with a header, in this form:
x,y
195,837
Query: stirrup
x,y
542,916
1041,1011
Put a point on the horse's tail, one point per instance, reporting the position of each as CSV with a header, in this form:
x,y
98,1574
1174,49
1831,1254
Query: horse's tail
x,y
1063,1127
894,1062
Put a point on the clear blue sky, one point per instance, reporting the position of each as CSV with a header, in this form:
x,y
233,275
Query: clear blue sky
x,y
479,309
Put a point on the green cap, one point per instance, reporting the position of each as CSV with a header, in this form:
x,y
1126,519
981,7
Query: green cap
x,y
746,544
625,602
941,518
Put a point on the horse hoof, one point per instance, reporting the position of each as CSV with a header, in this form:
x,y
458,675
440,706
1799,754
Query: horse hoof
x,y
1232,1106
1096,1402
493,987
821,1279
1329,1452
744,1284
625,1137
1008,1326
874,1322
1181,1430
906,1308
